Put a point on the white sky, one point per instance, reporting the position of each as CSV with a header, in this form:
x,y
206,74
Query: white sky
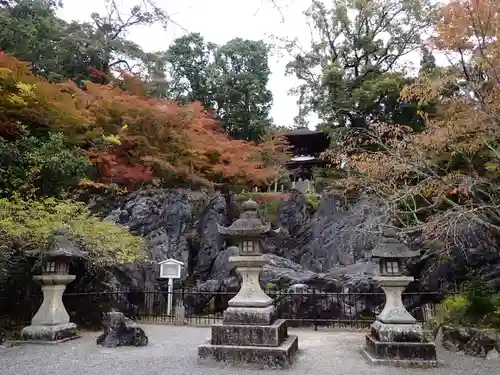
x,y
220,21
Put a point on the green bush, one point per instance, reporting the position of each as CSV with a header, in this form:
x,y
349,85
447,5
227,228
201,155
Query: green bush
x,y
27,225
39,165
477,306
481,299
268,203
453,310
312,203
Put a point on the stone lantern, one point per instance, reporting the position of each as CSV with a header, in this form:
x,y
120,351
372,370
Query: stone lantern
x,y
51,322
395,337
249,331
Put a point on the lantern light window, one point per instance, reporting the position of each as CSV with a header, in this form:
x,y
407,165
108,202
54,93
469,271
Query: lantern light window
x,y
247,246
50,267
391,267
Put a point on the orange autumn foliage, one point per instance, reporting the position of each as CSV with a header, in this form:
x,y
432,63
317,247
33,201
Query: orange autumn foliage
x,y
130,139
467,24
451,171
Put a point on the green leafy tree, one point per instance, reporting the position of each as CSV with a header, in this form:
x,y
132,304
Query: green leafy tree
x,y
353,73
39,165
32,32
229,80
94,51
243,101
189,59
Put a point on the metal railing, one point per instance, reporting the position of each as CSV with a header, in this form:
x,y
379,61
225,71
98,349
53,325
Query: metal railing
x,y
314,309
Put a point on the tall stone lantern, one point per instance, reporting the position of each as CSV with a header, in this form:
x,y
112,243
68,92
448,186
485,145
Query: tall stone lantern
x,y
249,332
395,337
51,322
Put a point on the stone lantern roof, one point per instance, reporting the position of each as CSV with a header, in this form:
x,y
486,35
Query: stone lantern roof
x,y
59,246
390,247
248,224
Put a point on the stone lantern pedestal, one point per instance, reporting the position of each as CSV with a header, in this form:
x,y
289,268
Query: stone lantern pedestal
x,y
51,322
249,332
396,337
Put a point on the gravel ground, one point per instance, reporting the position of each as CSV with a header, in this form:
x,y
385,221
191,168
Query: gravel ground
x,y
172,350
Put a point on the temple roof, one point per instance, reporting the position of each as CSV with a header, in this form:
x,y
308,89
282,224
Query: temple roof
x,y
302,131
304,138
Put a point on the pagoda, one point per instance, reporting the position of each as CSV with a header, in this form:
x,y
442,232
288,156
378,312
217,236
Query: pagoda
x,y
307,146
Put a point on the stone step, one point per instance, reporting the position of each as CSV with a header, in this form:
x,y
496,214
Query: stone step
x,y
250,335
258,356
249,315
406,353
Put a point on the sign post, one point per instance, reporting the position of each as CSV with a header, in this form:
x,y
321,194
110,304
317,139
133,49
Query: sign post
x,y
170,269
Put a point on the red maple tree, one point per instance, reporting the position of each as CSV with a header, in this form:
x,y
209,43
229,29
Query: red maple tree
x,y
129,137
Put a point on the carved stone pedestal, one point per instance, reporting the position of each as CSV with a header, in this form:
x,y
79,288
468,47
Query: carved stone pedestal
x,y
51,323
395,337
258,345
398,344
249,332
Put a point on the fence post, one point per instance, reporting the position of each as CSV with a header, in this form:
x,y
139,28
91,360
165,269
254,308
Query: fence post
x,y
180,313
315,310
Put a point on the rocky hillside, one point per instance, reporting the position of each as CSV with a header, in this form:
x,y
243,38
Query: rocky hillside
x,y
328,250
324,251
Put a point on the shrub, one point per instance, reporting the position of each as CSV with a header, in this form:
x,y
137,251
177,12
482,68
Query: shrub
x,y
39,165
453,310
268,203
26,225
478,305
312,203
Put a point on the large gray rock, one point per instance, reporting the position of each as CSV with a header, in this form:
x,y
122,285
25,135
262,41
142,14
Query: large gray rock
x,y
121,331
211,242
162,217
334,237
471,341
329,238
169,219
462,249
287,276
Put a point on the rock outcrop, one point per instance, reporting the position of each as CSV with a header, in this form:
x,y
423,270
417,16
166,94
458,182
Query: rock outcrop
x,y
331,237
463,250
471,341
329,251
121,331
324,251
211,243
176,223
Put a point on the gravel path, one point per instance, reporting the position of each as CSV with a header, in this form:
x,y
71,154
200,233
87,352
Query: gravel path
x,y
172,351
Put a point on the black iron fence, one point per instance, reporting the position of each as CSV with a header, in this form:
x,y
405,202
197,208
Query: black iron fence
x,y
314,309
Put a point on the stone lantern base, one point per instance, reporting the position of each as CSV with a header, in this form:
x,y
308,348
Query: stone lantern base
x,y
51,324
259,345
249,333
400,345
50,334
